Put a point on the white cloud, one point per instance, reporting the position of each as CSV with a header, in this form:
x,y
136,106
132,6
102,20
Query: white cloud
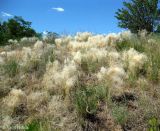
x,y
4,14
59,9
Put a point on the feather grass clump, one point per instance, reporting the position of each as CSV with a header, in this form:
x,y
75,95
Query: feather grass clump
x,y
60,42
26,40
36,99
61,117
113,76
82,36
133,60
58,79
13,100
114,58
38,45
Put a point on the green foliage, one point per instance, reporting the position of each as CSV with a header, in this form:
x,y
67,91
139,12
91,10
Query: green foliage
x,y
4,33
52,58
132,78
152,51
154,124
120,113
37,125
154,70
135,42
15,28
11,67
87,99
123,45
158,29
34,126
139,15
89,66
155,66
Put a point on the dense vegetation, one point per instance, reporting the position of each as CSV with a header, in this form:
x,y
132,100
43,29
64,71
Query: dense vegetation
x,y
67,86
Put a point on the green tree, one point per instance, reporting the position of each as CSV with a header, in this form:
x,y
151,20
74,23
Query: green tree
x,y
19,28
15,28
4,33
139,15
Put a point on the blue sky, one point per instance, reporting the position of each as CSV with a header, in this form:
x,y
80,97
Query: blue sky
x,y
65,16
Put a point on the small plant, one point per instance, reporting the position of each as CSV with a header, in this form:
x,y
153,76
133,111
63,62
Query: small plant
x,y
52,58
89,66
153,124
120,113
87,99
34,126
154,68
132,78
37,125
11,67
154,62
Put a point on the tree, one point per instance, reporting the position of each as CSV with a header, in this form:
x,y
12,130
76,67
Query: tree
x,y
50,37
19,28
15,28
139,15
4,33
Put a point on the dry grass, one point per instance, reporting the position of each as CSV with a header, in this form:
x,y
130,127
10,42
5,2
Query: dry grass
x,y
84,82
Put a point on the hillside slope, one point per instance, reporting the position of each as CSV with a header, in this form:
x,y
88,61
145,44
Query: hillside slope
x,y
84,82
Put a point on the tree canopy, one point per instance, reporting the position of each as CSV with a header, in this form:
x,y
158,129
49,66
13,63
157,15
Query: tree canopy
x,y
138,15
15,28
